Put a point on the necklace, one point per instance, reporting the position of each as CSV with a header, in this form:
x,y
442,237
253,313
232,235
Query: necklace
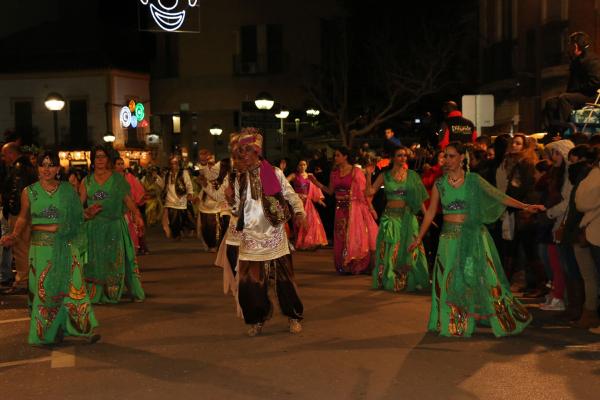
x,y
454,181
51,190
400,174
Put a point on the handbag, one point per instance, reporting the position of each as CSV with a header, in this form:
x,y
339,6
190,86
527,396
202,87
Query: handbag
x,y
559,233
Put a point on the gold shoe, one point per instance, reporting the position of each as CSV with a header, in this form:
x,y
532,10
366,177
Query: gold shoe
x,y
255,329
295,326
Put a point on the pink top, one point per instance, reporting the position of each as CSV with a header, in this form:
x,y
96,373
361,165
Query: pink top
x,y
342,185
301,184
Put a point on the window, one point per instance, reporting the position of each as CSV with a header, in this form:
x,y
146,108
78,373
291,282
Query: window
x,y
24,121
260,50
78,124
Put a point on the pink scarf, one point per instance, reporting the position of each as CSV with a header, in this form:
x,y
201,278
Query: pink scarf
x,y
270,183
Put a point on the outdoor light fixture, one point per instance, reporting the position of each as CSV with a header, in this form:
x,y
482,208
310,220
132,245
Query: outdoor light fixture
x,y
109,137
312,112
264,101
216,130
54,102
283,114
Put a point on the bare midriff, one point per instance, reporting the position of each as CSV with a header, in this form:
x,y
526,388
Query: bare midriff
x,y
45,228
396,204
459,218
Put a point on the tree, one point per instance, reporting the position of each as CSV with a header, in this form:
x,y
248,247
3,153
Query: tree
x,y
394,71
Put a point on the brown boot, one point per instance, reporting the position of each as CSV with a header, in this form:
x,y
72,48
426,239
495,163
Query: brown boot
x,y
589,319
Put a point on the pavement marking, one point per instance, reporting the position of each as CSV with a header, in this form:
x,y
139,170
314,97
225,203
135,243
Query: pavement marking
x,y
8,321
25,362
63,358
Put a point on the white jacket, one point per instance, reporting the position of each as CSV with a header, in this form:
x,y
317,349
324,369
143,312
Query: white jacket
x,y
587,200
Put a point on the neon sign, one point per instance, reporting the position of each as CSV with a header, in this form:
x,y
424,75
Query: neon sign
x,y
133,115
165,15
125,117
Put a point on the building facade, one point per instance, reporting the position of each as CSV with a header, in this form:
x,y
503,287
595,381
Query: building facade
x,y
242,48
523,54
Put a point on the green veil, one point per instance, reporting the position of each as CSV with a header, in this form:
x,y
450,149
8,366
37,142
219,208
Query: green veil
x,y
68,241
470,287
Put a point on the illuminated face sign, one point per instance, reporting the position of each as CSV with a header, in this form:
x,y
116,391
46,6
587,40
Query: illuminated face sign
x,y
169,15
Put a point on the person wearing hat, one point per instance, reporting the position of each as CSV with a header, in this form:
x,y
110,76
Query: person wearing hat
x,y
262,201
584,82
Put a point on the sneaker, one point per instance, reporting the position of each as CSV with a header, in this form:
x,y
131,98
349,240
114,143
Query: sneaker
x,y
255,330
555,305
547,299
295,326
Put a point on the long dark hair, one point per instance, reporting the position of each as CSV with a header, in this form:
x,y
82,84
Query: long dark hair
x,y
345,151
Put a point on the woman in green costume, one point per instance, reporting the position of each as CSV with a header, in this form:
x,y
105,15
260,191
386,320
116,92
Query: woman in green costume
x,y
469,285
111,260
396,268
60,305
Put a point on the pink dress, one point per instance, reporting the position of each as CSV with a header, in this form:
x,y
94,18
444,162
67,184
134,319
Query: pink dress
x,y
355,232
137,195
313,234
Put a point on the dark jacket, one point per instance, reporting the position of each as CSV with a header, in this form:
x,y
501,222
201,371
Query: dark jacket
x,y
20,175
584,75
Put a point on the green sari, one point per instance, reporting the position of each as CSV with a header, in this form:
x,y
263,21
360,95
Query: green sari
x,y
396,268
111,260
58,296
469,284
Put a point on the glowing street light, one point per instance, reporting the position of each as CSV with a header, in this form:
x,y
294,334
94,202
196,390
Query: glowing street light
x,y
216,130
109,137
264,101
55,103
312,112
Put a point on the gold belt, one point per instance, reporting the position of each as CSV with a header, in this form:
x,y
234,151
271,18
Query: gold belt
x,y
42,238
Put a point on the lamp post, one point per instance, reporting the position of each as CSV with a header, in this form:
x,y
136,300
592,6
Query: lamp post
x,y
55,102
264,102
282,115
215,131
109,138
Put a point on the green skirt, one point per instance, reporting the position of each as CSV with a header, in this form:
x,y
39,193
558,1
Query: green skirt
x,y
509,317
111,262
395,268
69,311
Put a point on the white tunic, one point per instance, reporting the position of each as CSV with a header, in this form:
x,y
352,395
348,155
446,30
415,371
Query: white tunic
x,y
261,241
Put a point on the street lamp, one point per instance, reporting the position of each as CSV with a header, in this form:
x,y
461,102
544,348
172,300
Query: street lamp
x,y
215,131
55,102
312,112
282,115
109,137
264,101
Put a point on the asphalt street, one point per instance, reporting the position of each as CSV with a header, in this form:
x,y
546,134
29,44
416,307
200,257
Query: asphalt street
x,y
185,342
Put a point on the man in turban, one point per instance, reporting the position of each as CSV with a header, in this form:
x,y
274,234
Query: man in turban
x,y
262,201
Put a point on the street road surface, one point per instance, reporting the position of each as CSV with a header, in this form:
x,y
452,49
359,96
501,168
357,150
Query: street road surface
x,y
185,342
